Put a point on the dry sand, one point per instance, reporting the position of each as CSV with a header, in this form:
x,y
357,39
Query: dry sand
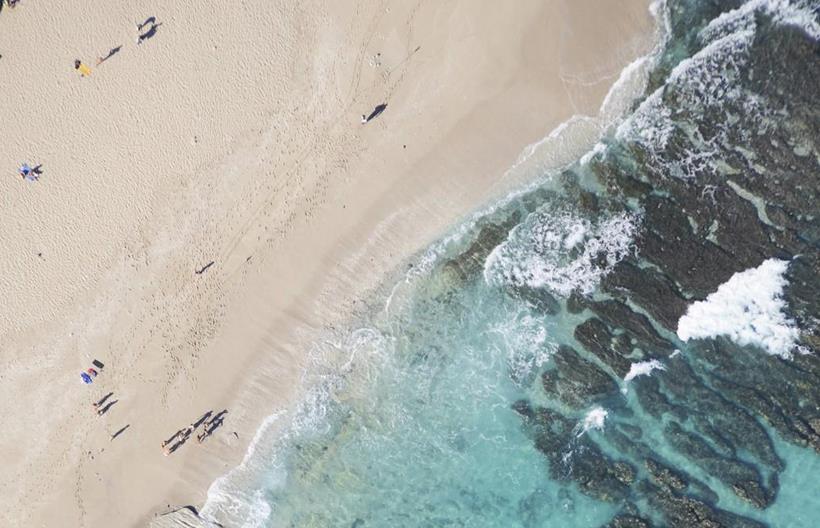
x,y
233,136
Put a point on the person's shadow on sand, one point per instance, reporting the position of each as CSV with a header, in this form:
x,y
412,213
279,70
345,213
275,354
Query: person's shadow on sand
x,y
377,111
111,53
149,34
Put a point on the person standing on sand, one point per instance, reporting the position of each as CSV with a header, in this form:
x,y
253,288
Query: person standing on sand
x,y
151,23
84,70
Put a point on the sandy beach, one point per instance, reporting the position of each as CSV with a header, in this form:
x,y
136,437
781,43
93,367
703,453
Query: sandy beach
x,y
209,202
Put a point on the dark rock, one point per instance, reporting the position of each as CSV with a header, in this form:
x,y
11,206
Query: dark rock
x,y
619,316
576,381
594,335
666,477
588,202
697,265
470,262
753,198
803,294
626,442
576,303
597,476
620,182
628,521
785,393
649,289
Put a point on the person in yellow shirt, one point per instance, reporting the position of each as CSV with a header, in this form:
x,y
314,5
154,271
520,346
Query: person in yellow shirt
x,y
84,70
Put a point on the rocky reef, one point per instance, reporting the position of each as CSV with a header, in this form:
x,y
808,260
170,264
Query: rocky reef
x,y
721,159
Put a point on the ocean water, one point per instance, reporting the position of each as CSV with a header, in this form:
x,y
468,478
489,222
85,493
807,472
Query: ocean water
x,y
518,375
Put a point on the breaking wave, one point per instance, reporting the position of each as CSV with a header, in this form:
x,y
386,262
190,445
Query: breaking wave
x,y
561,251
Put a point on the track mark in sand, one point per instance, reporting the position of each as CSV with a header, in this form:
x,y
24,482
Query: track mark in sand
x,y
328,144
68,437
78,495
370,32
319,143
354,96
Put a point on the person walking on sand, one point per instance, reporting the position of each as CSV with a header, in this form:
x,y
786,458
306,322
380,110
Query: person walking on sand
x,y
97,404
174,437
204,434
84,70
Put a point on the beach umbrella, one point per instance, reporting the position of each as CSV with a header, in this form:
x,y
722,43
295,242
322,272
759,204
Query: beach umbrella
x,y
86,378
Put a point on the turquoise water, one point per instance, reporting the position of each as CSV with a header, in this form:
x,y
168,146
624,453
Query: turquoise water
x,y
434,442
475,397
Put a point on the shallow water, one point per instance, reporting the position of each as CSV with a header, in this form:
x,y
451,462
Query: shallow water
x,y
479,396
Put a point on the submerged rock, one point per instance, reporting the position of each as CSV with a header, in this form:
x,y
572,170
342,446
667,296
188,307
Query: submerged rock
x,y
683,511
574,457
538,298
740,477
653,401
677,481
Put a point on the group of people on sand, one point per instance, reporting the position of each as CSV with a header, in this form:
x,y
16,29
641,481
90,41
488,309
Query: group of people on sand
x,y
182,436
10,3
102,405
145,31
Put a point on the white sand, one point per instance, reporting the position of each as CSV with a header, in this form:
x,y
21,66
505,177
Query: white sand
x,y
233,136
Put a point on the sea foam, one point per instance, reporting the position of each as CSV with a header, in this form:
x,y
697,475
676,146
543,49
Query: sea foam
x,y
594,419
704,83
561,251
749,309
643,368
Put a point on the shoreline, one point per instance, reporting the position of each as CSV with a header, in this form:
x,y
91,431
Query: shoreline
x,y
234,337
579,132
